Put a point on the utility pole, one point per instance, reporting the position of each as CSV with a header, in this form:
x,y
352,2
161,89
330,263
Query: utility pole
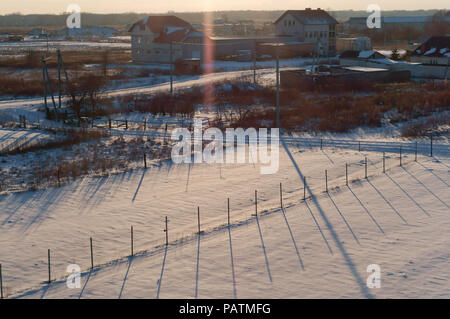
x,y
44,84
278,84
171,69
59,77
254,62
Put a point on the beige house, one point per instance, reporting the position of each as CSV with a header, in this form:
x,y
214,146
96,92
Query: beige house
x,y
161,39
315,26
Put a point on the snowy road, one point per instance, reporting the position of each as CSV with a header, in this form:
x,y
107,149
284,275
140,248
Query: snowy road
x,y
178,85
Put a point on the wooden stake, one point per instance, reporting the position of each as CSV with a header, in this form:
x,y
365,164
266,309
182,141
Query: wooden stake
x,y
384,162
167,232
365,165
346,174
281,195
326,180
256,203
431,145
228,212
1,282
145,160
198,215
92,255
400,156
132,242
49,268
415,157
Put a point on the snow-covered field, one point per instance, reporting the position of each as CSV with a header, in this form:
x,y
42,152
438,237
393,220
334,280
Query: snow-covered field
x,y
318,248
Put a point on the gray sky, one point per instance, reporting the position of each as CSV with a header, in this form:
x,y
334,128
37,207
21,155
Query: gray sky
x,y
160,6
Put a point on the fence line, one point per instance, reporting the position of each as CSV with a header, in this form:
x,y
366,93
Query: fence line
x,y
200,232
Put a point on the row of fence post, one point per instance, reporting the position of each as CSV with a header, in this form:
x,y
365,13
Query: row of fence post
x,y
166,230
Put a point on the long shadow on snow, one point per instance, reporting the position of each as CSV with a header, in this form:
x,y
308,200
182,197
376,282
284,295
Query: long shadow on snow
x,y
425,186
349,262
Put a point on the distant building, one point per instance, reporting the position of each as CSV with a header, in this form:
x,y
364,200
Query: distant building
x,y
153,37
359,44
436,50
335,76
374,59
308,25
416,23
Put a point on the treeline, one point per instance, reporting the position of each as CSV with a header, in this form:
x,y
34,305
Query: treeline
x,y
92,19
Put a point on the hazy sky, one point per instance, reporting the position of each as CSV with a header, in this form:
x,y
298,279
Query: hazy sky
x,y
159,6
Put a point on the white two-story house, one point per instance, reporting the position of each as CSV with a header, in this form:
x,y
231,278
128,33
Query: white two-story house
x,y
315,26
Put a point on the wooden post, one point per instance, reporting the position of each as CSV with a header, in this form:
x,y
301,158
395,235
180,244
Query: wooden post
x,y
1,282
132,242
49,268
126,125
359,147
431,145
304,187
326,180
254,62
145,160
278,85
171,67
145,125
228,212
44,83
256,203
167,232
281,195
321,144
109,123
198,215
415,157
346,174
400,156
49,85
92,255
59,77
365,167
384,162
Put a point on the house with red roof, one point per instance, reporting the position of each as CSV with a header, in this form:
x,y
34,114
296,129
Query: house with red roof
x,y
161,39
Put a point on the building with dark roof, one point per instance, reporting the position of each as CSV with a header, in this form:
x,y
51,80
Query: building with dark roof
x,y
153,38
436,50
314,26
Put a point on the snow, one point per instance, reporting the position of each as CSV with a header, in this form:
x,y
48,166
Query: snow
x,y
365,54
171,29
430,51
398,220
